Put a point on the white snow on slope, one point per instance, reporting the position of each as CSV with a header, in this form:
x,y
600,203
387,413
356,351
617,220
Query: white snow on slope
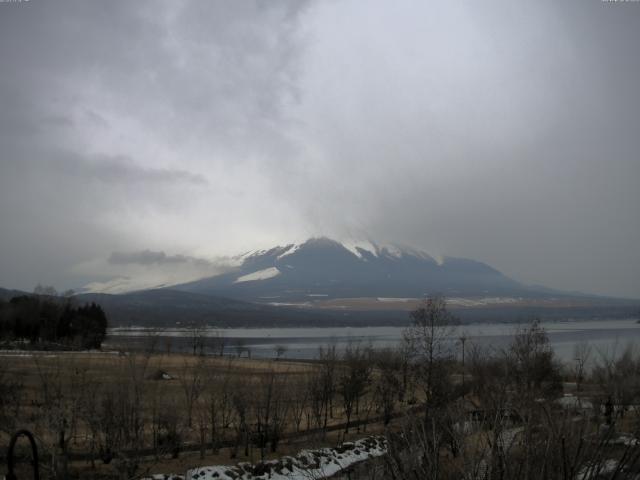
x,y
399,251
421,254
360,248
357,247
238,260
291,249
392,251
387,250
259,275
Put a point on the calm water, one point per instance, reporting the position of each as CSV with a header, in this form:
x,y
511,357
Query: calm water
x,y
605,336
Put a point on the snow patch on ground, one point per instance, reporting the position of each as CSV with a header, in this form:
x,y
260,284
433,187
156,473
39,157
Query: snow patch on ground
x,y
259,275
395,299
308,464
572,402
608,466
625,439
290,304
478,302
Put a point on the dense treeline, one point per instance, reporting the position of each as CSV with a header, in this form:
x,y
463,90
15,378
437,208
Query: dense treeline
x,y
49,319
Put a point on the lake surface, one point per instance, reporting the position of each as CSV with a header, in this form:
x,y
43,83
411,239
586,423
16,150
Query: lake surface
x,y
605,337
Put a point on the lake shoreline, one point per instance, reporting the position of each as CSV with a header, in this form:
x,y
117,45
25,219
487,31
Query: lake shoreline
x,y
303,342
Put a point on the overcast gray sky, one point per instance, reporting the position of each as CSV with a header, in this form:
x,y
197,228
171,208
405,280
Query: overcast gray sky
x,y
140,141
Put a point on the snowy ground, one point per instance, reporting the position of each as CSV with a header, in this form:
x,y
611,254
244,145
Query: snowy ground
x,y
308,464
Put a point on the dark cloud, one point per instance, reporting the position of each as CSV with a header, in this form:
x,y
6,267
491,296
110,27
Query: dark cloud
x,y
122,169
149,257
126,126
505,132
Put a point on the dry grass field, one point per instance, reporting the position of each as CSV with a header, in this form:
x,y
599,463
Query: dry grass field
x,y
164,413
124,415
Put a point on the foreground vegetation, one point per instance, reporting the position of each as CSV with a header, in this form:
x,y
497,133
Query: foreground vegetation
x,y
448,408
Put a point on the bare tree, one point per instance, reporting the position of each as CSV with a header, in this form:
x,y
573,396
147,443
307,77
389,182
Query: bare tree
x,y
431,340
388,365
121,415
219,396
279,350
152,341
170,429
328,360
218,342
619,380
88,412
11,399
318,402
192,384
299,398
463,341
156,394
353,379
490,371
197,339
55,415
201,409
240,346
269,410
581,355
240,400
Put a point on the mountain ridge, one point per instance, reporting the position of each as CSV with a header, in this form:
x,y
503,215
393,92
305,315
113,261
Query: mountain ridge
x,y
325,267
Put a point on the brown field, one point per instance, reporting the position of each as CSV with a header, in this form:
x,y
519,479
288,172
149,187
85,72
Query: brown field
x,y
124,415
410,304
122,401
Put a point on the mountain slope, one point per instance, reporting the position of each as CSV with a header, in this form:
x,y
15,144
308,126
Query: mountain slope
x,y
164,306
322,267
172,308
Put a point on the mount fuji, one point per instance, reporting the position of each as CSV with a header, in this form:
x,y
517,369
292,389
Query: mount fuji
x,y
324,269
322,282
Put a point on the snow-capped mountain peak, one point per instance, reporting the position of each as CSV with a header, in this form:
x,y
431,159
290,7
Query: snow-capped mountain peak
x,y
362,250
322,266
